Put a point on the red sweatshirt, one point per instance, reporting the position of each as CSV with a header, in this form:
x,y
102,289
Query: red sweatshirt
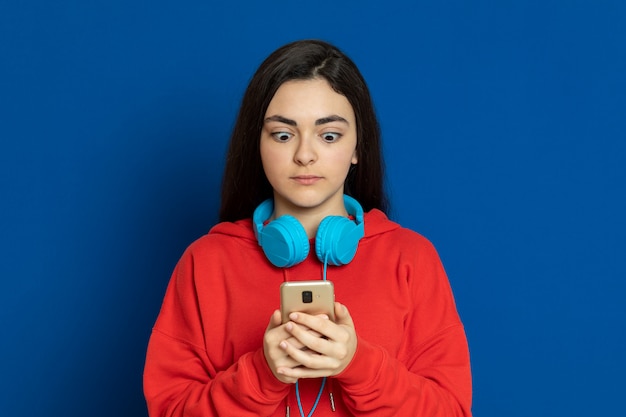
x,y
205,356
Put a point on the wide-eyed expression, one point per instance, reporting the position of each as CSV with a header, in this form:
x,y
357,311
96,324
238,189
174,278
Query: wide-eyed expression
x,y
308,144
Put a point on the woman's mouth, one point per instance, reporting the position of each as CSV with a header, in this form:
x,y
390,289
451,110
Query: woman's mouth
x,y
306,179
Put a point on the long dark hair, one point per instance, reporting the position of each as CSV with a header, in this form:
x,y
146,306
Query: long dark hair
x,y
244,185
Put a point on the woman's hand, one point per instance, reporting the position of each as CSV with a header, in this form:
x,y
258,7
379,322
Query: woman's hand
x,y
276,356
316,356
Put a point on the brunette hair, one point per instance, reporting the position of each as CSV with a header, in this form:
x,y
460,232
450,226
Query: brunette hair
x,y
244,185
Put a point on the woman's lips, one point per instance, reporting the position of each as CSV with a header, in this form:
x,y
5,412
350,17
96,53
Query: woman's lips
x,y
306,179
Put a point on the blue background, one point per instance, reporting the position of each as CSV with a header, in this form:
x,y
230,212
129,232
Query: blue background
x,y
504,135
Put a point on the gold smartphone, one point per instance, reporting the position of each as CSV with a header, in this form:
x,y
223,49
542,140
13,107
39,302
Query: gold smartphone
x,y
311,297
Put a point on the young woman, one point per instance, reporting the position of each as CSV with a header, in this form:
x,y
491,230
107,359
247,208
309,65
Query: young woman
x,y
305,139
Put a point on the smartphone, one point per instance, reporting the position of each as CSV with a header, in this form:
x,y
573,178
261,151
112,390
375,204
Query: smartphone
x,y
311,297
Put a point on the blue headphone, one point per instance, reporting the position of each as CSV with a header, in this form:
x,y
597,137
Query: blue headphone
x,y
286,244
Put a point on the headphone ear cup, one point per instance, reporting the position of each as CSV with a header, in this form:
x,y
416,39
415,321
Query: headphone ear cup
x,y
285,242
337,240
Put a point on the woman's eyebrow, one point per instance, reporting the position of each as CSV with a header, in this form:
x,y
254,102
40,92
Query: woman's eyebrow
x,y
281,119
290,122
330,119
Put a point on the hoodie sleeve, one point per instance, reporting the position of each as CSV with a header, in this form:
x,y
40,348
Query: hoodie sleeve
x,y
431,376
180,379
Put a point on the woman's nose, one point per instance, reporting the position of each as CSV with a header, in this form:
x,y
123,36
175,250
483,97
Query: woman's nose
x,y
305,151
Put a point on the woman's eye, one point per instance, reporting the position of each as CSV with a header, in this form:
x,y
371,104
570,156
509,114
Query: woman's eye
x,y
281,136
331,137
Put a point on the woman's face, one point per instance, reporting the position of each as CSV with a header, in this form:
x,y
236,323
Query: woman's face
x,y
308,143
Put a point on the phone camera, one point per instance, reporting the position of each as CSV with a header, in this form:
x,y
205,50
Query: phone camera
x,y
307,297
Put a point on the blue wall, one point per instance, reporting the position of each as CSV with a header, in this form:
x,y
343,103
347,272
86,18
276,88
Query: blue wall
x,y
504,134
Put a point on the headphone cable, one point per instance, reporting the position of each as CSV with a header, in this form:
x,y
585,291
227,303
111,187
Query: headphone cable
x,y
319,394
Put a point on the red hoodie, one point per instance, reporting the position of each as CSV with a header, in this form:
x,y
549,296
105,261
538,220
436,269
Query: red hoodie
x,y
205,356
